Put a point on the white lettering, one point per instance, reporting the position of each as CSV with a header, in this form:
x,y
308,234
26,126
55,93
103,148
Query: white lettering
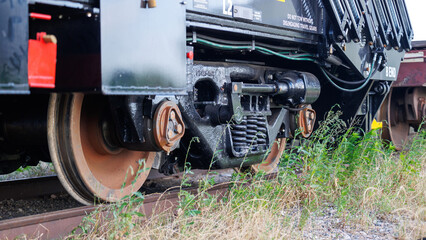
x,y
227,7
391,72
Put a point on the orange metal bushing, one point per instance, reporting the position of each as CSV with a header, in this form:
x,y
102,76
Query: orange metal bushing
x,y
306,121
168,125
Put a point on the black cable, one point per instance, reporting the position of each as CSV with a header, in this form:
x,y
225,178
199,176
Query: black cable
x,y
367,80
347,82
352,82
213,39
344,81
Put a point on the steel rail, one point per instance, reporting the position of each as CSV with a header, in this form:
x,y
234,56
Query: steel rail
x,y
26,188
30,188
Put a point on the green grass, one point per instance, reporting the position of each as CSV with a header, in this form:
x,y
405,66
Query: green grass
x,y
357,173
359,176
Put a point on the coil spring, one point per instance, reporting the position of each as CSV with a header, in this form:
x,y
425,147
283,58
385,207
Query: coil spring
x,y
250,133
239,137
261,130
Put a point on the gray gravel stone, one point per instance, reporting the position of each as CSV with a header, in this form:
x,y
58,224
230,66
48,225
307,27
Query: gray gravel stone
x,y
325,223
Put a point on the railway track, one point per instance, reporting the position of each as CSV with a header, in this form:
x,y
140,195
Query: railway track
x,y
33,187
30,187
58,224
38,195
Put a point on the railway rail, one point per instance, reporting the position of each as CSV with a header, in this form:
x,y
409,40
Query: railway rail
x,y
33,187
60,223
30,187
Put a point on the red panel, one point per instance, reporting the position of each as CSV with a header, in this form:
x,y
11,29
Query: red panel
x,y
411,75
41,63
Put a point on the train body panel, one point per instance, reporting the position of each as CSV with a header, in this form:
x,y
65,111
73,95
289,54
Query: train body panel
x,y
88,43
412,71
14,47
146,58
284,19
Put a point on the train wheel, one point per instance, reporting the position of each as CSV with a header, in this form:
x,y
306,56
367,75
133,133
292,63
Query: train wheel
x,y
273,159
87,162
395,128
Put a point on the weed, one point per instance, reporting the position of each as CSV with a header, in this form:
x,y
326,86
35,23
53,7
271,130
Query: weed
x,y
337,172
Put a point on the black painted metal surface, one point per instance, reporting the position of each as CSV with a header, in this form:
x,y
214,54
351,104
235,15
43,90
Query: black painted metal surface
x,y
77,29
222,145
299,15
14,47
143,49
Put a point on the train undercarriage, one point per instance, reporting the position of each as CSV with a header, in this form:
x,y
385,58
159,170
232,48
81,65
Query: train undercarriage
x,y
107,90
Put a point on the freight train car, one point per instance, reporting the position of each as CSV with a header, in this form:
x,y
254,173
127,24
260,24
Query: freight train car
x,y
405,106
109,89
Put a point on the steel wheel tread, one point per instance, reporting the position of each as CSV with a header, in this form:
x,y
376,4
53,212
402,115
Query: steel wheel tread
x,y
86,172
393,128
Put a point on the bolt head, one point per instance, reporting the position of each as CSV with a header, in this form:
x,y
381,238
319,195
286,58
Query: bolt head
x,y
179,128
170,133
172,115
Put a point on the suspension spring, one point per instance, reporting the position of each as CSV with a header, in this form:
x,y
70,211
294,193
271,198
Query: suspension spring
x,y
239,137
261,130
252,131
251,134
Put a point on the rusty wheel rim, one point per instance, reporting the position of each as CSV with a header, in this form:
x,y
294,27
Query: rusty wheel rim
x,y
395,128
270,163
86,164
